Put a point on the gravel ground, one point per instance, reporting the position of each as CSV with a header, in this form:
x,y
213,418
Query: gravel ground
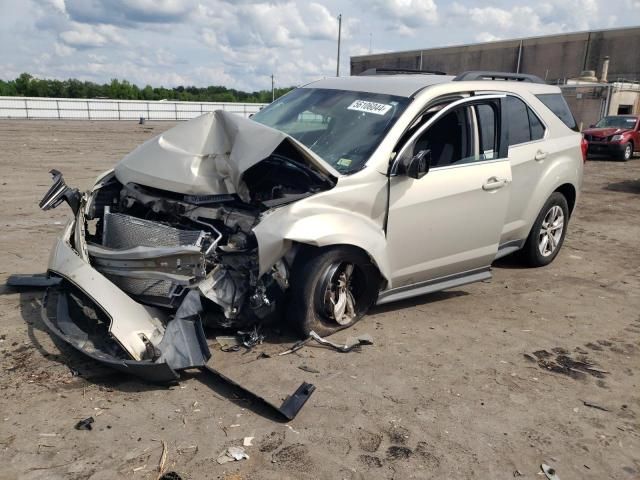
x,y
486,381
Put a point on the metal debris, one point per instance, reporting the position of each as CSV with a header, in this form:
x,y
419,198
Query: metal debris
x,y
228,343
251,338
232,454
296,346
352,342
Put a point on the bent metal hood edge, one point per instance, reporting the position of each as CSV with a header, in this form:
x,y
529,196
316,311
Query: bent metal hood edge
x,y
208,155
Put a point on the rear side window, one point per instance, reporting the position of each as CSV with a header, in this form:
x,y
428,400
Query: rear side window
x,y
524,125
558,105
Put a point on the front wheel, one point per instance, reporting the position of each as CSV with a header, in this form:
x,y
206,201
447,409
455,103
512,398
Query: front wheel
x,y
627,152
331,289
548,232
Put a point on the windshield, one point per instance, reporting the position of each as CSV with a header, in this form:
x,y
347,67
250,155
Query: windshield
x,y
617,122
342,127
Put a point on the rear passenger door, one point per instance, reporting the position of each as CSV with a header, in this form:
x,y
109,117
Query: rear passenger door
x,y
529,157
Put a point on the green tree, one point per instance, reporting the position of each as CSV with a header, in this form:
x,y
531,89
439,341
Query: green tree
x,y
27,85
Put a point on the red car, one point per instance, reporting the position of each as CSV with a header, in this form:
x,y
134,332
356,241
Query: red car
x,y
617,136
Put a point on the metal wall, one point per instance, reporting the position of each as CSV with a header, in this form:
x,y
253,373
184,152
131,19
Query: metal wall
x,y
80,109
554,57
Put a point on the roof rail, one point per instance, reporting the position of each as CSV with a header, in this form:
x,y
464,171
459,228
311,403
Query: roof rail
x,y
487,75
391,71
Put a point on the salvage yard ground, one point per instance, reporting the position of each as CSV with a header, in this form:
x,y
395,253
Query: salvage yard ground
x,y
486,381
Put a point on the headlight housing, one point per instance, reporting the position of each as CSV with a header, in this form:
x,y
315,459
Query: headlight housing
x,y
616,138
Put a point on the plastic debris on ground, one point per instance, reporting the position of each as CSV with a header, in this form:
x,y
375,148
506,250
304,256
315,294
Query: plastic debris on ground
x,y
85,424
550,472
232,454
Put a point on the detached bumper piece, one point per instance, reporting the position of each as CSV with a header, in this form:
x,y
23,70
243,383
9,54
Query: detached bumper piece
x,y
291,405
72,319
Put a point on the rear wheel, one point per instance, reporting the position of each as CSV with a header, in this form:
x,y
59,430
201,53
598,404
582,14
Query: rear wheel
x,y
627,152
548,232
331,289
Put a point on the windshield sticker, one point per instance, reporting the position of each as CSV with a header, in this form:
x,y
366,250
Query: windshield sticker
x,y
344,162
369,107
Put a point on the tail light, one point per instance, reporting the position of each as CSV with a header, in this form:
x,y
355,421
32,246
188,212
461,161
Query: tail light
x,y
584,146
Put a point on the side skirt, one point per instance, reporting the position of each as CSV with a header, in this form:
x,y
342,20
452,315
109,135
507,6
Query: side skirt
x,y
435,285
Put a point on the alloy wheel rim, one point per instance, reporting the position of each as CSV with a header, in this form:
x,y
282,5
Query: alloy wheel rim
x,y
339,302
551,231
627,152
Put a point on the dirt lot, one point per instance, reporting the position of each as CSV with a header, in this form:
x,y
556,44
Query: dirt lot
x,y
487,381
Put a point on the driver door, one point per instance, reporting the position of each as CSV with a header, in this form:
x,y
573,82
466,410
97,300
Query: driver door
x,y
449,222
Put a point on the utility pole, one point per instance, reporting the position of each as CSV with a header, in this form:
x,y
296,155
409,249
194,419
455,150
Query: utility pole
x,y
339,35
273,91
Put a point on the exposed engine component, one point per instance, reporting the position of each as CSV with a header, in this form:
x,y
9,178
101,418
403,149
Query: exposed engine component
x,y
157,246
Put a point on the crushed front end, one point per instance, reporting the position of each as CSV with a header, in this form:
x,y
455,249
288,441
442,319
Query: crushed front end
x,y
144,269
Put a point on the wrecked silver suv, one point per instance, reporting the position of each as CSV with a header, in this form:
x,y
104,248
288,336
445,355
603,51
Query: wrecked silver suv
x,y
341,194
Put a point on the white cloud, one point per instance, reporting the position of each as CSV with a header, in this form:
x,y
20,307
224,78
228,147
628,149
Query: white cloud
x,y
408,16
240,43
527,20
126,12
90,36
63,50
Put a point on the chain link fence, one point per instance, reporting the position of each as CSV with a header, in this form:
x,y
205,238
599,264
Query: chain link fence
x,y
104,109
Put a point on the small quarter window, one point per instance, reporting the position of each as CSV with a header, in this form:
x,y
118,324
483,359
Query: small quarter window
x,y
517,121
537,129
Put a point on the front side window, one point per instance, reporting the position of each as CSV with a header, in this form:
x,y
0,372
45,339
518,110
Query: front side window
x,y
466,134
343,127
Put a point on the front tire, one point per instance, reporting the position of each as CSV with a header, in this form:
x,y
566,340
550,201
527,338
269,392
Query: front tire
x,y
330,289
627,152
548,232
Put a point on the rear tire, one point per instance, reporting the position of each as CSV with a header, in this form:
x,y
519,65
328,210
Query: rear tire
x,y
330,289
548,232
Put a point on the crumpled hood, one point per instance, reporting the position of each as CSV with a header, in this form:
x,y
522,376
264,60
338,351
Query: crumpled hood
x,y
208,155
605,132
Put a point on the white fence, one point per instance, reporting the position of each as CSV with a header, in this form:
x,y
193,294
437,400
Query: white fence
x,y
98,109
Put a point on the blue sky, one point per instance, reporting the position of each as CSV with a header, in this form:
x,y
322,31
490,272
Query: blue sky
x,y
240,43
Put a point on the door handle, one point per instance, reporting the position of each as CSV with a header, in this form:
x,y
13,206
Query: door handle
x,y
494,183
540,155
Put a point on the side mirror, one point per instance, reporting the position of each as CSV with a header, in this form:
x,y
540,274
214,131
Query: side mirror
x,y
419,164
